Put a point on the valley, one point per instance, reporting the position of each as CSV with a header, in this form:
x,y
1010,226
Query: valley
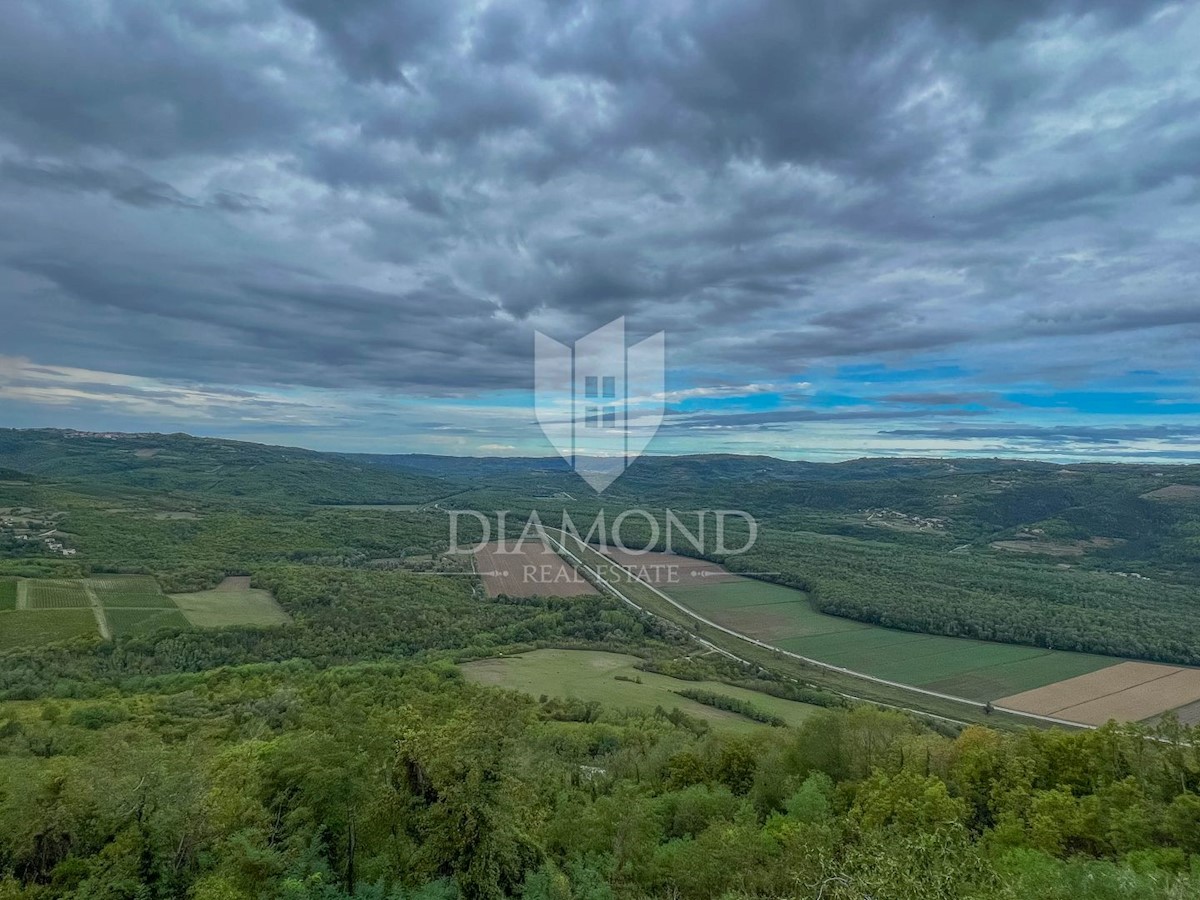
x,y
851,571
292,640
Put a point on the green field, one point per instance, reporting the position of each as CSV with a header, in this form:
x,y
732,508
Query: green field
x,y
977,670
47,594
135,603
129,591
125,621
230,605
591,675
22,628
132,604
60,609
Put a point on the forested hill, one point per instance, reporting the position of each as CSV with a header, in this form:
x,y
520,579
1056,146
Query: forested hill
x,y
983,494
209,467
1139,519
987,493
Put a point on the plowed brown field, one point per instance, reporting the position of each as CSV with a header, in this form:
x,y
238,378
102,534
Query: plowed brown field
x,y
528,570
1126,692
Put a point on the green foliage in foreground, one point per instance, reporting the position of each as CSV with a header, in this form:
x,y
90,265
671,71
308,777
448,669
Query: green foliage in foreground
x,y
377,782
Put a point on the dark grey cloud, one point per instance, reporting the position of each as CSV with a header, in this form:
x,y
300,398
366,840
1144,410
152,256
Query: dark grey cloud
x,y
394,195
373,40
148,79
1102,320
123,183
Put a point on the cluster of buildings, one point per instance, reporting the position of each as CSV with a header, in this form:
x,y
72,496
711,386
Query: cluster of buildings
x,y
109,435
895,517
55,545
24,529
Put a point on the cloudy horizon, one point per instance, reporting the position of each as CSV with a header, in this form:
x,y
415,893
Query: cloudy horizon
x,y
936,228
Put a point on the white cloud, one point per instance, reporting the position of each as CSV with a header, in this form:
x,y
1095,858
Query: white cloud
x,y
729,391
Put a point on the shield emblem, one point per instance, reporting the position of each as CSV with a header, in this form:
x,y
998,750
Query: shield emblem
x,y
599,403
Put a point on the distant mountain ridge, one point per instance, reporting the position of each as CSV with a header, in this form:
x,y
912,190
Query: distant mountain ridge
x,y
209,466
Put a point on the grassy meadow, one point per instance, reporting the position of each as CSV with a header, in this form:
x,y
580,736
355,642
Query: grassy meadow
x,y
593,676
124,621
233,602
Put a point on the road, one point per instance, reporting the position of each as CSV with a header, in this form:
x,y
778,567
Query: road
x,y
803,659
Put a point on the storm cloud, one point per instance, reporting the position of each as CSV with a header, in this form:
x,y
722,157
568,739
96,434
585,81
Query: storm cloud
x,y
384,199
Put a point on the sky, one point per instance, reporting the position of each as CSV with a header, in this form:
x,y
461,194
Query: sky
x,y
863,228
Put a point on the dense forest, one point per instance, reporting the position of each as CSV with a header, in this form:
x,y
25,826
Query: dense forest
x,y
393,782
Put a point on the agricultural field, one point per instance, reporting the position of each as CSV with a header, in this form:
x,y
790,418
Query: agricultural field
x,y
124,620
1187,715
1183,492
30,627
135,604
232,602
1126,692
8,593
960,667
593,675
528,569
129,591
660,569
46,610
130,604
53,594
1038,545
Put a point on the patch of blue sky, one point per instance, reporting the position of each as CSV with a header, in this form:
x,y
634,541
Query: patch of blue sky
x,y
835,400
1149,377
876,373
1106,403
743,403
